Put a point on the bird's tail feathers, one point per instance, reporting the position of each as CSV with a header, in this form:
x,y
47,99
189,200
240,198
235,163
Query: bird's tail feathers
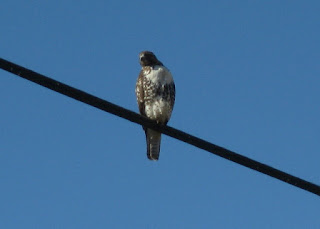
x,y
153,144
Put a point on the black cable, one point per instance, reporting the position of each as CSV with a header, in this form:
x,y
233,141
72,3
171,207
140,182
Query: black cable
x,y
134,117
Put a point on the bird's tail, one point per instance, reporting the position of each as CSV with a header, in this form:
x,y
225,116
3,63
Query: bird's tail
x,y
153,144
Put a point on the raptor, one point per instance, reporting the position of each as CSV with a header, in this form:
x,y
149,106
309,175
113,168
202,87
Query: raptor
x,y
155,91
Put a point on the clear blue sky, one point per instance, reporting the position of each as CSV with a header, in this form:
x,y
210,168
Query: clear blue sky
x,y
247,78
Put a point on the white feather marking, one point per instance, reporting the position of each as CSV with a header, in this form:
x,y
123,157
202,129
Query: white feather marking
x,y
159,109
159,74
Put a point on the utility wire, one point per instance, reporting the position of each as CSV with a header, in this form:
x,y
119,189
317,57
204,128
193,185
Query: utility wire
x,y
172,132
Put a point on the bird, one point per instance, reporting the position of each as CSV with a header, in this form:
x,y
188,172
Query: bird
x,y
155,91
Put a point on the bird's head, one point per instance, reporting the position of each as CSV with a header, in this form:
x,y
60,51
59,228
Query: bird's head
x,y
147,58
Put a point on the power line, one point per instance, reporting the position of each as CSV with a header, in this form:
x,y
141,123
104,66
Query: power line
x,y
175,133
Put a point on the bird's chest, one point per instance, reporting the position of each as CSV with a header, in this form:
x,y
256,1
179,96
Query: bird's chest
x,y
157,107
156,75
154,82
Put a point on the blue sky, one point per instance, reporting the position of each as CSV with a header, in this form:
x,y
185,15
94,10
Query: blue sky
x,y
247,78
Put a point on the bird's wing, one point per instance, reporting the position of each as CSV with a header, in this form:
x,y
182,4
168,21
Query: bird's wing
x,y
140,93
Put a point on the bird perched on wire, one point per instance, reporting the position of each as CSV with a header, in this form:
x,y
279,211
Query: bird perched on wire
x,y
155,91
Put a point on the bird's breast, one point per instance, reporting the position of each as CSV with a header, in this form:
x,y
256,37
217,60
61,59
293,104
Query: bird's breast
x,y
157,101
158,75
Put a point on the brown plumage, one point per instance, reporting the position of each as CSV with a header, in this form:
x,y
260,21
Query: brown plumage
x,y
155,91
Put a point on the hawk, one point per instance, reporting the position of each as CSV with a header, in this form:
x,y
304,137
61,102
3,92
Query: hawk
x,y
155,91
